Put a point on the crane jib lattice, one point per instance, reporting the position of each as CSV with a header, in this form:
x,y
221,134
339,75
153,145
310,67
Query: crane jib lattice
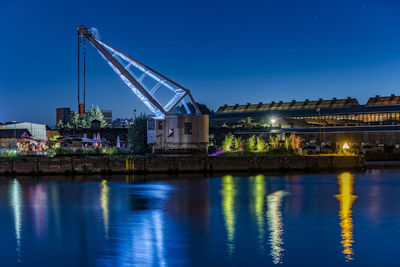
x,y
160,94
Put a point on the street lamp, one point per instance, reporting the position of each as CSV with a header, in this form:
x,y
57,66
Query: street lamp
x,y
273,120
346,148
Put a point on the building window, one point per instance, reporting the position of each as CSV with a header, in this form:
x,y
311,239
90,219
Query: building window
x,y
170,132
188,128
150,125
160,125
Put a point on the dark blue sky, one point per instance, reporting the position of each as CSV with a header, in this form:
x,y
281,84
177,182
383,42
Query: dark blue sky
x,y
225,52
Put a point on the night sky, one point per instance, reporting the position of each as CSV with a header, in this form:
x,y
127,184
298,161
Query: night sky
x,y
225,52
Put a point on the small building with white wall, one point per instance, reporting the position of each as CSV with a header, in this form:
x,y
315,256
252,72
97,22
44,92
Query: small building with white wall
x,y
38,131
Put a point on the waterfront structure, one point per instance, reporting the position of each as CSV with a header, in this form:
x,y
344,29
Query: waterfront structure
x,y
62,114
109,136
38,131
177,123
332,120
10,139
333,112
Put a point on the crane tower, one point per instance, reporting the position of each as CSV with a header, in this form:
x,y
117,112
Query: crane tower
x,y
177,124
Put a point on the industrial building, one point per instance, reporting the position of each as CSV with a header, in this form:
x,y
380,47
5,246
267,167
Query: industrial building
x,y
36,130
332,120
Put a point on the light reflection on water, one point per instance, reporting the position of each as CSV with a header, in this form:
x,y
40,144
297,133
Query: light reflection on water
x,y
258,190
15,198
346,199
274,216
104,206
228,205
262,220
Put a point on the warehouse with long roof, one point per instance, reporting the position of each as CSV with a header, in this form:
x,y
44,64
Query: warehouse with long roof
x,y
377,121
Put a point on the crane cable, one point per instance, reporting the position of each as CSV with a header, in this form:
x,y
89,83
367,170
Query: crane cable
x,y
84,74
79,41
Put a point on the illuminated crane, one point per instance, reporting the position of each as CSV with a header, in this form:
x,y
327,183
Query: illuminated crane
x,y
180,124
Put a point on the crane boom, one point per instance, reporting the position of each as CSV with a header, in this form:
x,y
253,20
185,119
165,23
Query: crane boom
x,y
159,93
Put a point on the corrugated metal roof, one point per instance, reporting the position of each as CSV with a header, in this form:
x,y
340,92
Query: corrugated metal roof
x,y
293,105
383,100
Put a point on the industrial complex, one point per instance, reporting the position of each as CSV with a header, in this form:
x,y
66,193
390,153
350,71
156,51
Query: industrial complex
x,y
332,120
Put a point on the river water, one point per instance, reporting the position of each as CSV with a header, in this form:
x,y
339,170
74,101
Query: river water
x,y
296,219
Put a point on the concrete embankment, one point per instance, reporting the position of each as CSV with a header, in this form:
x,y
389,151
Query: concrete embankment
x,y
175,164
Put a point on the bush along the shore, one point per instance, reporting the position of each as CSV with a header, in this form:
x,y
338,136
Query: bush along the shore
x,y
275,145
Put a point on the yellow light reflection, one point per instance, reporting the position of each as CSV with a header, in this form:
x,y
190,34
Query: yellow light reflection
x,y
228,201
104,205
129,178
346,199
15,197
258,193
275,226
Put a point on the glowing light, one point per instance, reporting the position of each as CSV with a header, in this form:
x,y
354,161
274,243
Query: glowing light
x,y
15,197
228,202
275,226
104,206
346,146
258,192
346,199
273,120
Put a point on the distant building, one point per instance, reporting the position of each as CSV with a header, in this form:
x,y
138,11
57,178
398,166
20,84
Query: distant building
x,y
332,120
64,113
38,131
122,123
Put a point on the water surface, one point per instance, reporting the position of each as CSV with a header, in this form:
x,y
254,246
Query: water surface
x,y
305,219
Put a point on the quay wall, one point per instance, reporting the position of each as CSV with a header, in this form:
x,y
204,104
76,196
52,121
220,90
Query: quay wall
x,y
175,164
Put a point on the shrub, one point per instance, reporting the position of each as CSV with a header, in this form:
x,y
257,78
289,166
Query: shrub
x,y
227,144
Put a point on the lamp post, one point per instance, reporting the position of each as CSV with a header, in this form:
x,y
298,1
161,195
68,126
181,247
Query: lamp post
x,y
320,135
273,122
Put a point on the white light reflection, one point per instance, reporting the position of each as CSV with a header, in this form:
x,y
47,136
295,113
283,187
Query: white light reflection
x,y
159,237
104,206
15,197
275,226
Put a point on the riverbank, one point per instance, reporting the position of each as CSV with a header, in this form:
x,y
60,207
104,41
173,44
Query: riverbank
x,y
175,164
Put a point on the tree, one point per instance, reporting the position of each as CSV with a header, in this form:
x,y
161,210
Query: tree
x,y
137,135
91,115
204,109
74,120
60,125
